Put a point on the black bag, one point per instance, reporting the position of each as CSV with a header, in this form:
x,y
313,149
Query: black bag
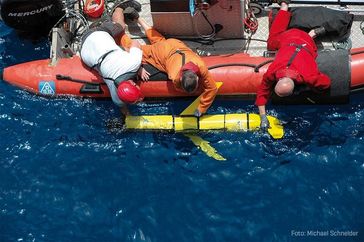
x,y
336,23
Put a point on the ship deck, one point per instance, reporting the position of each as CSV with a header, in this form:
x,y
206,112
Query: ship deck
x,y
234,37
197,33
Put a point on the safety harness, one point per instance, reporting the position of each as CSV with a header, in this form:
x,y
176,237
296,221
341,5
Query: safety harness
x,y
183,56
298,49
101,59
126,76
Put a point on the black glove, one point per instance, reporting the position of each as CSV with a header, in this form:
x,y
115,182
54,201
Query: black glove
x,y
264,123
122,119
197,113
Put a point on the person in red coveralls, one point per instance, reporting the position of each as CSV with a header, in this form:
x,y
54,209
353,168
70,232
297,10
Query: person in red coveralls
x,y
294,63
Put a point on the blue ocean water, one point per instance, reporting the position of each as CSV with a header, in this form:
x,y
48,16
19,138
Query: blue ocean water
x,y
68,173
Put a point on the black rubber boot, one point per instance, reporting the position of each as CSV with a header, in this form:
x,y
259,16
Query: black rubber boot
x,y
129,3
131,13
283,1
320,31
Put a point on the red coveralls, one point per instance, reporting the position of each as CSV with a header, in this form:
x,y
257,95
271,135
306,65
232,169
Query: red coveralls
x,y
303,69
161,53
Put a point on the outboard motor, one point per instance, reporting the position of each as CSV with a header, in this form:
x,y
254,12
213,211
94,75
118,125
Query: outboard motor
x,y
31,15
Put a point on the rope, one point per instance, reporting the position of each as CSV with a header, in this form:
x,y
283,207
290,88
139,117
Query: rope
x,y
255,67
61,77
209,36
250,21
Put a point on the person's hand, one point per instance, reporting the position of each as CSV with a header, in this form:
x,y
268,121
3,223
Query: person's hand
x,y
264,123
144,75
197,113
312,34
136,44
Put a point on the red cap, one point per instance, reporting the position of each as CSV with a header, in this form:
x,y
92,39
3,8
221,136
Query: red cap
x,y
192,67
94,8
129,92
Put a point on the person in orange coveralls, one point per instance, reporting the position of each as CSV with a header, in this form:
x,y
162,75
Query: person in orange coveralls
x,y
184,67
294,63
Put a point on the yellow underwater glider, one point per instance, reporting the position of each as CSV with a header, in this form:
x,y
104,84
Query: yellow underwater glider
x,y
186,122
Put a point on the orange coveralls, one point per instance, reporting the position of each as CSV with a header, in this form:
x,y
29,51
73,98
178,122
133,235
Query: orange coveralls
x,y
161,53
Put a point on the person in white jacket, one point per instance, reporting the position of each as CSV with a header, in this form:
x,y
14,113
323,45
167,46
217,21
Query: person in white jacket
x,y
117,67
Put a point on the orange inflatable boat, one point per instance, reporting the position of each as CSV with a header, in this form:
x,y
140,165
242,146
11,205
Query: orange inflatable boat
x,y
240,73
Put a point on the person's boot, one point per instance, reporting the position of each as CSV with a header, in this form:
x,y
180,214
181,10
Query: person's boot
x,y
320,31
283,1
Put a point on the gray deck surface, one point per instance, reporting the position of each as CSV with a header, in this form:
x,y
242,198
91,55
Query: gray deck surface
x,y
182,25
